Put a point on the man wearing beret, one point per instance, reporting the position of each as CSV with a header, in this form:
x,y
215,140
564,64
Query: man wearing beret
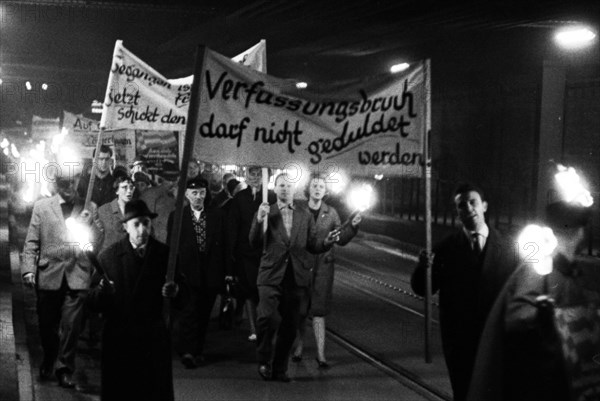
x,y
129,292
203,262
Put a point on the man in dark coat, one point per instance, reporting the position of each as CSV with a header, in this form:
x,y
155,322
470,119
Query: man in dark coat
x,y
204,264
242,208
284,275
103,191
469,269
136,346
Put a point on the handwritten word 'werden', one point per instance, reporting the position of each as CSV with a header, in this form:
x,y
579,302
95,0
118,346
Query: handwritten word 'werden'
x,y
383,157
228,89
395,124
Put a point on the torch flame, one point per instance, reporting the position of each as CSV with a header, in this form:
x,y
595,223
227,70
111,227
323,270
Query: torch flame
x,y
78,233
361,198
536,246
571,186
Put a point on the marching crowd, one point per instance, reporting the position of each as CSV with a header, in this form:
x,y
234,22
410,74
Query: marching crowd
x,y
496,317
277,253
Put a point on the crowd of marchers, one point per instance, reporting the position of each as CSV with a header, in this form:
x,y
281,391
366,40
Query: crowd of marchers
x,y
277,253
497,318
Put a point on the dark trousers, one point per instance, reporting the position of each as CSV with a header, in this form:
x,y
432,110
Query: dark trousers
x,y
59,316
194,320
279,311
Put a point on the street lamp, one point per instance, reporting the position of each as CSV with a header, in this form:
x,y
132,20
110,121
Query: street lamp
x,y
574,38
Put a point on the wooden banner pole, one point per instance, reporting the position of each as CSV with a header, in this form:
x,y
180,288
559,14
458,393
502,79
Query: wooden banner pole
x,y
428,219
188,149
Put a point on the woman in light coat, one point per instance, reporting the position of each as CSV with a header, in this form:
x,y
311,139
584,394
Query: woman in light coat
x,y
327,219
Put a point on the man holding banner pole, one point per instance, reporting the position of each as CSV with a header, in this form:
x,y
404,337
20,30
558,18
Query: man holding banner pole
x,y
468,269
284,275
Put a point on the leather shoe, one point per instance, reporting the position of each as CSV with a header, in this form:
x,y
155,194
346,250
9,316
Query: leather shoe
x,y
46,373
281,377
322,364
189,361
264,371
65,380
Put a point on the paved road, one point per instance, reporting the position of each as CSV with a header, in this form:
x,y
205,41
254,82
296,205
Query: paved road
x,y
230,373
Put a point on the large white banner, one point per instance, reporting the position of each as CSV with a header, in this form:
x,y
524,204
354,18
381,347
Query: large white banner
x,y
139,97
369,126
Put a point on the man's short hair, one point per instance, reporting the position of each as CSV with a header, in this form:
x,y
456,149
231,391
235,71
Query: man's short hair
x,y
283,175
103,149
466,187
269,172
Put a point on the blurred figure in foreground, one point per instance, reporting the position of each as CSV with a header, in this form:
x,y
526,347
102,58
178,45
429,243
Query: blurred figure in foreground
x,y
541,340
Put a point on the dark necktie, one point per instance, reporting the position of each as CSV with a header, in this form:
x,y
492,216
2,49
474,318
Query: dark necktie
x,y
476,245
141,252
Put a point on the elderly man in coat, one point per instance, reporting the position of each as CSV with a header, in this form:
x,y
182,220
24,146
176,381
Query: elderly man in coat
x,y
203,262
55,265
284,275
136,344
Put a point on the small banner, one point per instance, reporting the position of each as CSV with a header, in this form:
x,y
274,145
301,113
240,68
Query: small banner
x,y
82,134
139,97
579,331
369,126
157,147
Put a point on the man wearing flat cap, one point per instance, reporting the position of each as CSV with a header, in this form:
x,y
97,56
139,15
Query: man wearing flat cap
x,y
161,199
540,341
136,345
203,262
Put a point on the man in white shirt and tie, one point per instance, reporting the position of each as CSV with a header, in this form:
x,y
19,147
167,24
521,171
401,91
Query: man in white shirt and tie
x,y
284,275
469,269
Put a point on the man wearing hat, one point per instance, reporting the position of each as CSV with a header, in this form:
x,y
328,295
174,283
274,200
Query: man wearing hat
x,y
138,166
521,354
203,262
161,199
136,345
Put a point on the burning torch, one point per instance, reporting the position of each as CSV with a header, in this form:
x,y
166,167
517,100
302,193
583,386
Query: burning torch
x,y
80,233
537,244
359,199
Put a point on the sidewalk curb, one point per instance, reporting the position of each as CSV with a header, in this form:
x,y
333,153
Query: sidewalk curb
x,y
9,388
